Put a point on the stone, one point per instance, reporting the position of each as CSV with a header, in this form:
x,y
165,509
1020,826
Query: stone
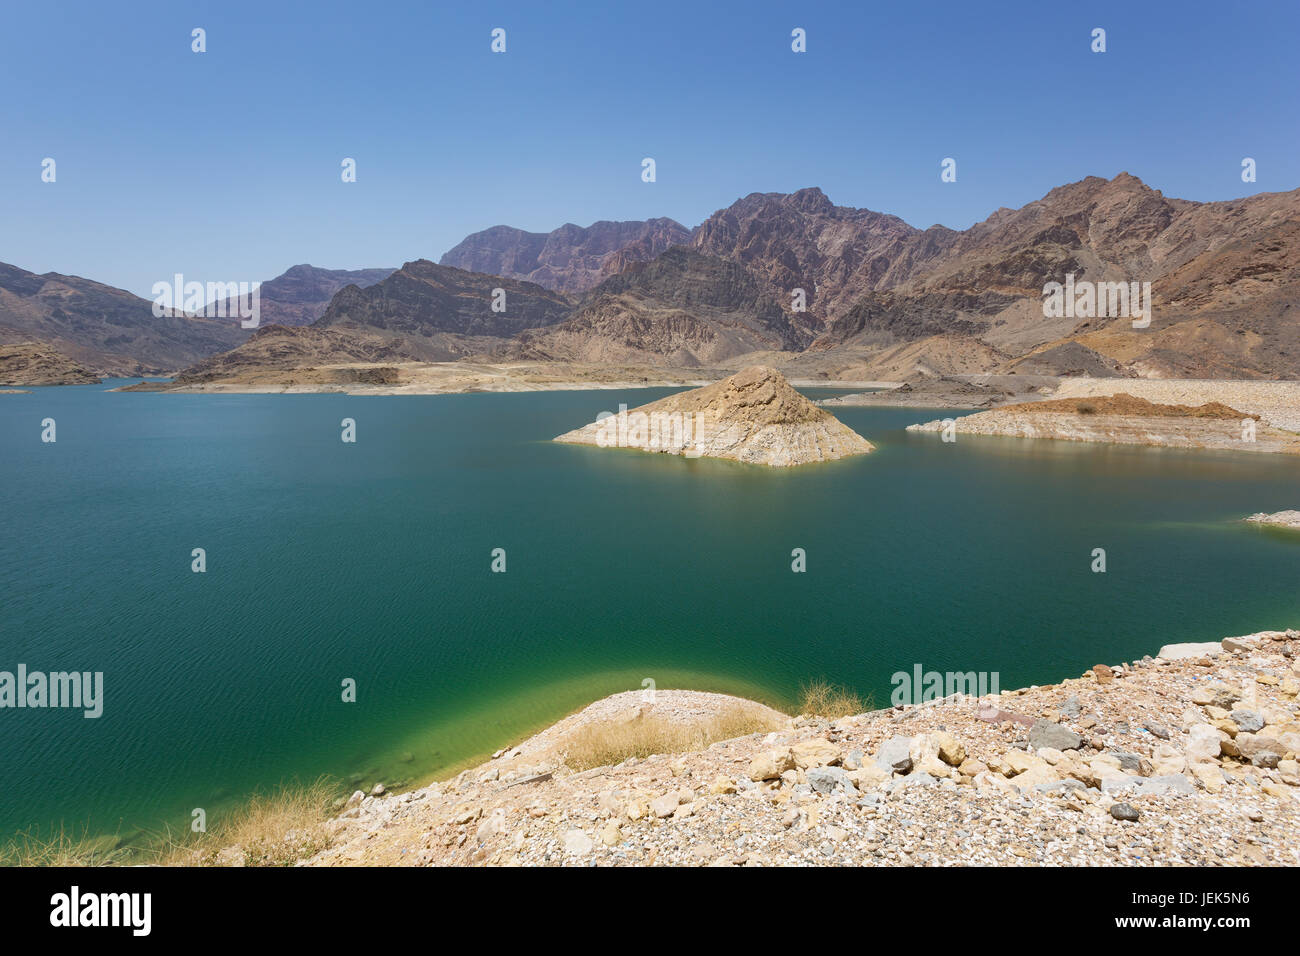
x,y
816,752
1125,811
1168,759
1051,755
951,750
577,843
894,756
721,785
1157,730
1204,745
378,790
1247,720
1072,707
1183,652
770,765
1266,759
611,835
1209,776
852,760
825,779
355,799
869,775
1045,733
494,824
664,806
1103,674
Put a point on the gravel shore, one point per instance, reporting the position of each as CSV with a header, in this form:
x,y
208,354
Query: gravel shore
x,y
1187,758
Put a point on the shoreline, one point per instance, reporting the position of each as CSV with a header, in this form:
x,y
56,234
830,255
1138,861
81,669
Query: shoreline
x,y
1121,744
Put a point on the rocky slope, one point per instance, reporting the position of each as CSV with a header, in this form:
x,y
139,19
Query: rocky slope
x,y
568,259
301,294
682,309
1126,420
753,416
1225,280
1187,758
110,331
34,363
427,310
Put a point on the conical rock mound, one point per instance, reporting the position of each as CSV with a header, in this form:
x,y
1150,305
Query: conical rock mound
x,y
754,416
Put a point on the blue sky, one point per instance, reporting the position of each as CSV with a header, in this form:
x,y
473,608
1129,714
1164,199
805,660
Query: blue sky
x,y
225,165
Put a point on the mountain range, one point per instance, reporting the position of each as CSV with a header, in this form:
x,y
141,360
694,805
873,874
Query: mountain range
x,y
785,279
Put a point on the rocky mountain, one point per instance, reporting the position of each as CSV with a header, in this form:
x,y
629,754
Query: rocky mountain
x,y
883,300
438,313
683,308
570,258
801,240
35,363
300,295
108,330
1225,280
754,416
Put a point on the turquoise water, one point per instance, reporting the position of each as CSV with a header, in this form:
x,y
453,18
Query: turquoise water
x,y
371,561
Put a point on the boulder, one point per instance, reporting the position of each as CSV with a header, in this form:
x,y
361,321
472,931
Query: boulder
x,y
825,779
816,752
1046,733
894,755
770,765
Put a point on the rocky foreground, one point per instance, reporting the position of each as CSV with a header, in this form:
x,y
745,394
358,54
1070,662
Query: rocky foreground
x,y
754,416
1188,758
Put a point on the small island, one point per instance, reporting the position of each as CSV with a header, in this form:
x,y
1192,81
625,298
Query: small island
x,y
754,416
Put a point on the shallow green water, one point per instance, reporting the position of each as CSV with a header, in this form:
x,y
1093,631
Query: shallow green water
x,y
370,561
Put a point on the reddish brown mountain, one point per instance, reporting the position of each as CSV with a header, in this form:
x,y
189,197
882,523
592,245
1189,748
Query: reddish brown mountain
x,y
568,259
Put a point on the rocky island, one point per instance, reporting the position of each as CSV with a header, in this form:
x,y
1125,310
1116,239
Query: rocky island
x,y
1279,519
754,416
1127,420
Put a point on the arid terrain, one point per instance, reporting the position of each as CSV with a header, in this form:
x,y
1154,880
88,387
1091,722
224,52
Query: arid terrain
x,y
1187,758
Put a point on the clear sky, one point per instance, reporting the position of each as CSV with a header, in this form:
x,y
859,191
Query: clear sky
x,y
225,165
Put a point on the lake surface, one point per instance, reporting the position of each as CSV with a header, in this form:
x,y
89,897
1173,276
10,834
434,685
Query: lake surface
x,y
371,561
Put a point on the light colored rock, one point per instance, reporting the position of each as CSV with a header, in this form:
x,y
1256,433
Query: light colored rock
x,y
577,843
1182,652
771,764
815,752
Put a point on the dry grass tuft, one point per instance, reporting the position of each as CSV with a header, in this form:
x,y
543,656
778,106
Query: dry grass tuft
x,y
63,848
608,743
275,829
821,699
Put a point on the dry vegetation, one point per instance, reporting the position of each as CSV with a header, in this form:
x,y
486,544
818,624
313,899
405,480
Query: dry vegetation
x,y
607,743
63,848
820,699
275,829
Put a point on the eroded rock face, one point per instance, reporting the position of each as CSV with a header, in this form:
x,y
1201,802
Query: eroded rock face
x,y
754,416
33,363
568,259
